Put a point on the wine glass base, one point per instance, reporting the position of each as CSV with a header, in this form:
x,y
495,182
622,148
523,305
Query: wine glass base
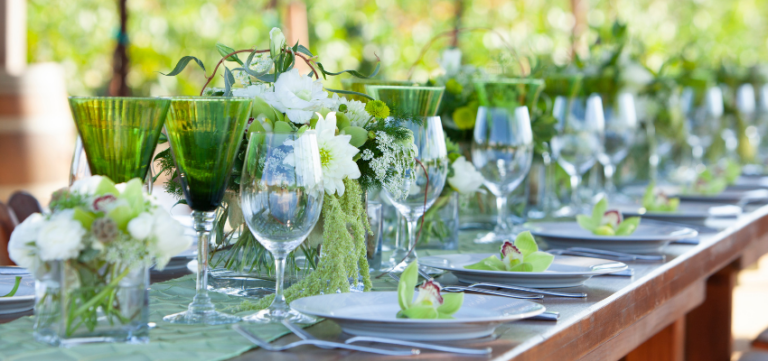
x,y
200,318
278,316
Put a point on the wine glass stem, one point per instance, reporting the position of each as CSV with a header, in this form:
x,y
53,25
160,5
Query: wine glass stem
x,y
609,170
575,198
501,212
412,232
279,302
203,224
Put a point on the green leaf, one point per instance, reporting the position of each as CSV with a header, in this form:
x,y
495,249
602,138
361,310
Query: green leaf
x,y
491,263
539,261
183,64
15,287
526,243
628,226
229,80
420,312
408,280
339,91
354,73
451,303
225,50
586,222
301,49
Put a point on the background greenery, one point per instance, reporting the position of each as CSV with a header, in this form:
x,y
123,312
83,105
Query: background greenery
x,y
350,33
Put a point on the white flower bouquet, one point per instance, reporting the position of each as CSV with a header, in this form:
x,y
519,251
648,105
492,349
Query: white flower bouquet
x,y
90,257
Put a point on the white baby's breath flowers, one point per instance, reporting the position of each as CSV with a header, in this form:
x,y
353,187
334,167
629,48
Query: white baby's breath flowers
x,y
60,238
391,167
466,179
21,247
299,97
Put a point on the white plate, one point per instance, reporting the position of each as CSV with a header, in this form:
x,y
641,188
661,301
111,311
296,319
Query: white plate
x,y
23,300
374,314
694,211
650,236
728,196
565,271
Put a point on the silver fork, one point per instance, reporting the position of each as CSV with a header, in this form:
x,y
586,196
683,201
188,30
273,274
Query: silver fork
x,y
321,343
531,290
304,335
598,253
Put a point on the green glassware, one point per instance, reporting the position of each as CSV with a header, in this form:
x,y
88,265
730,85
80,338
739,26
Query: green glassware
x,y
205,135
509,93
408,102
358,85
119,133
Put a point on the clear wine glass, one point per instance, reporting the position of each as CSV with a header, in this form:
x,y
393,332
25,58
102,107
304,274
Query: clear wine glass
x,y
703,110
619,133
205,135
502,144
415,108
281,194
578,141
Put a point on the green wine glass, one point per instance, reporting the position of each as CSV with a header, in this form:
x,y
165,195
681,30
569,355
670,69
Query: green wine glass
x,y
119,134
205,135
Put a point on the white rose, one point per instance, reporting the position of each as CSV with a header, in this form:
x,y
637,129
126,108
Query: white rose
x,y
61,237
141,226
170,239
466,179
19,248
86,185
299,97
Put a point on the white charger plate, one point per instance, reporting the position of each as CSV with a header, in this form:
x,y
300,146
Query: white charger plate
x,y
374,314
650,236
694,211
565,271
23,300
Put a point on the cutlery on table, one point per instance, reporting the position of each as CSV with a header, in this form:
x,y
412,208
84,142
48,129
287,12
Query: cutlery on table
x,y
321,343
599,253
531,290
304,335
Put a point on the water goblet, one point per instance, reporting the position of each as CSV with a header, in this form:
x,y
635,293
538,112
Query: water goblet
x,y
417,189
618,135
502,144
281,195
205,135
578,141
703,110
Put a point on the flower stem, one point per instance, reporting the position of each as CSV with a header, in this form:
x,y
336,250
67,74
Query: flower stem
x,y
103,293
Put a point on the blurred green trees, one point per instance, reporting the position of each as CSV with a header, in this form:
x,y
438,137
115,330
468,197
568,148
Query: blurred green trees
x,y
351,33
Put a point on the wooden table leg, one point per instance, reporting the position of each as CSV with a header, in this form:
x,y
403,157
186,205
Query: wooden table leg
x,y
667,345
708,327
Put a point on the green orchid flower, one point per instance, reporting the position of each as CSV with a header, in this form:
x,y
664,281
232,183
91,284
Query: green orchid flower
x,y
429,304
522,256
708,183
658,202
607,223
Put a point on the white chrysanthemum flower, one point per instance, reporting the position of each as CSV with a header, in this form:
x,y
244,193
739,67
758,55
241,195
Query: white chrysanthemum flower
x,y
251,91
466,179
299,97
21,246
60,238
336,155
356,113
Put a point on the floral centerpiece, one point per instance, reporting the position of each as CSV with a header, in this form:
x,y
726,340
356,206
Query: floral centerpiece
x,y
90,257
359,150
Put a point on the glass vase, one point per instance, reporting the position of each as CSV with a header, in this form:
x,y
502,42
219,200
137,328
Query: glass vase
x,y
74,305
441,224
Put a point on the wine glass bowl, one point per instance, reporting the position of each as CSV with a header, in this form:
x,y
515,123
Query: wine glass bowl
x,y
205,135
703,109
119,134
502,144
281,192
618,136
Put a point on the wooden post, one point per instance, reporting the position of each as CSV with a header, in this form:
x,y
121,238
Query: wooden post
x,y
118,86
667,345
297,29
13,36
708,327
457,23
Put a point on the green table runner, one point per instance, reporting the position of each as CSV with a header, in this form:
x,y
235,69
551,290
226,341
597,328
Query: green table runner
x,y
170,341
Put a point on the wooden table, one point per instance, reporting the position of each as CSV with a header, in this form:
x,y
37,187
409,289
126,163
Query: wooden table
x,y
673,310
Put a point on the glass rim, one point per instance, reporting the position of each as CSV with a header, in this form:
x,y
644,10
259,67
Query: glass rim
x,y
536,81
107,97
375,81
206,97
406,87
